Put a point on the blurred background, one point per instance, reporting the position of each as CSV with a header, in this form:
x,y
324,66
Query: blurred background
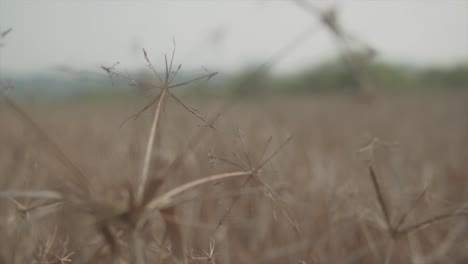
x,y
328,89
59,46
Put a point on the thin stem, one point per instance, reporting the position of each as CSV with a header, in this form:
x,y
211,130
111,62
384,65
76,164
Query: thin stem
x,y
206,76
228,211
275,153
137,248
165,200
410,209
141,111
381,199
190,109
430,221
151,66
149,146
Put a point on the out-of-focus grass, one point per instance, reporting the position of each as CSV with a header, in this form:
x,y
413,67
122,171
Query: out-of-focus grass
x,y
320,177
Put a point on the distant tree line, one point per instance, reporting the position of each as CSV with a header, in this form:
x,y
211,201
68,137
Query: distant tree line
x,y
330,77
335,77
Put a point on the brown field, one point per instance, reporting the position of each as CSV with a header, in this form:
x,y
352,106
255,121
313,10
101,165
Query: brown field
x,y
314,202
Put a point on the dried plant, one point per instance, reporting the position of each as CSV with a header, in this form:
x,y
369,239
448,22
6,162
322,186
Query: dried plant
x,y
147,220
146,201
355,52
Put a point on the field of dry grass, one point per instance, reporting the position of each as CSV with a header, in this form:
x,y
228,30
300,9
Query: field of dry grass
x,y
314,202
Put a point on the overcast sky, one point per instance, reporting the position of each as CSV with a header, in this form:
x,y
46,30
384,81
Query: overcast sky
x,y
222,34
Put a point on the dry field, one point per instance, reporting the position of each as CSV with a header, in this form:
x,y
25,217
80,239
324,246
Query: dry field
x,y
313,202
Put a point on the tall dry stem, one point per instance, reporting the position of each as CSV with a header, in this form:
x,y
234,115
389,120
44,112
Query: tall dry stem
x,y
150,146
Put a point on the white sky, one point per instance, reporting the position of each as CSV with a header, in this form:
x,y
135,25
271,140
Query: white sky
x,y
86,34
